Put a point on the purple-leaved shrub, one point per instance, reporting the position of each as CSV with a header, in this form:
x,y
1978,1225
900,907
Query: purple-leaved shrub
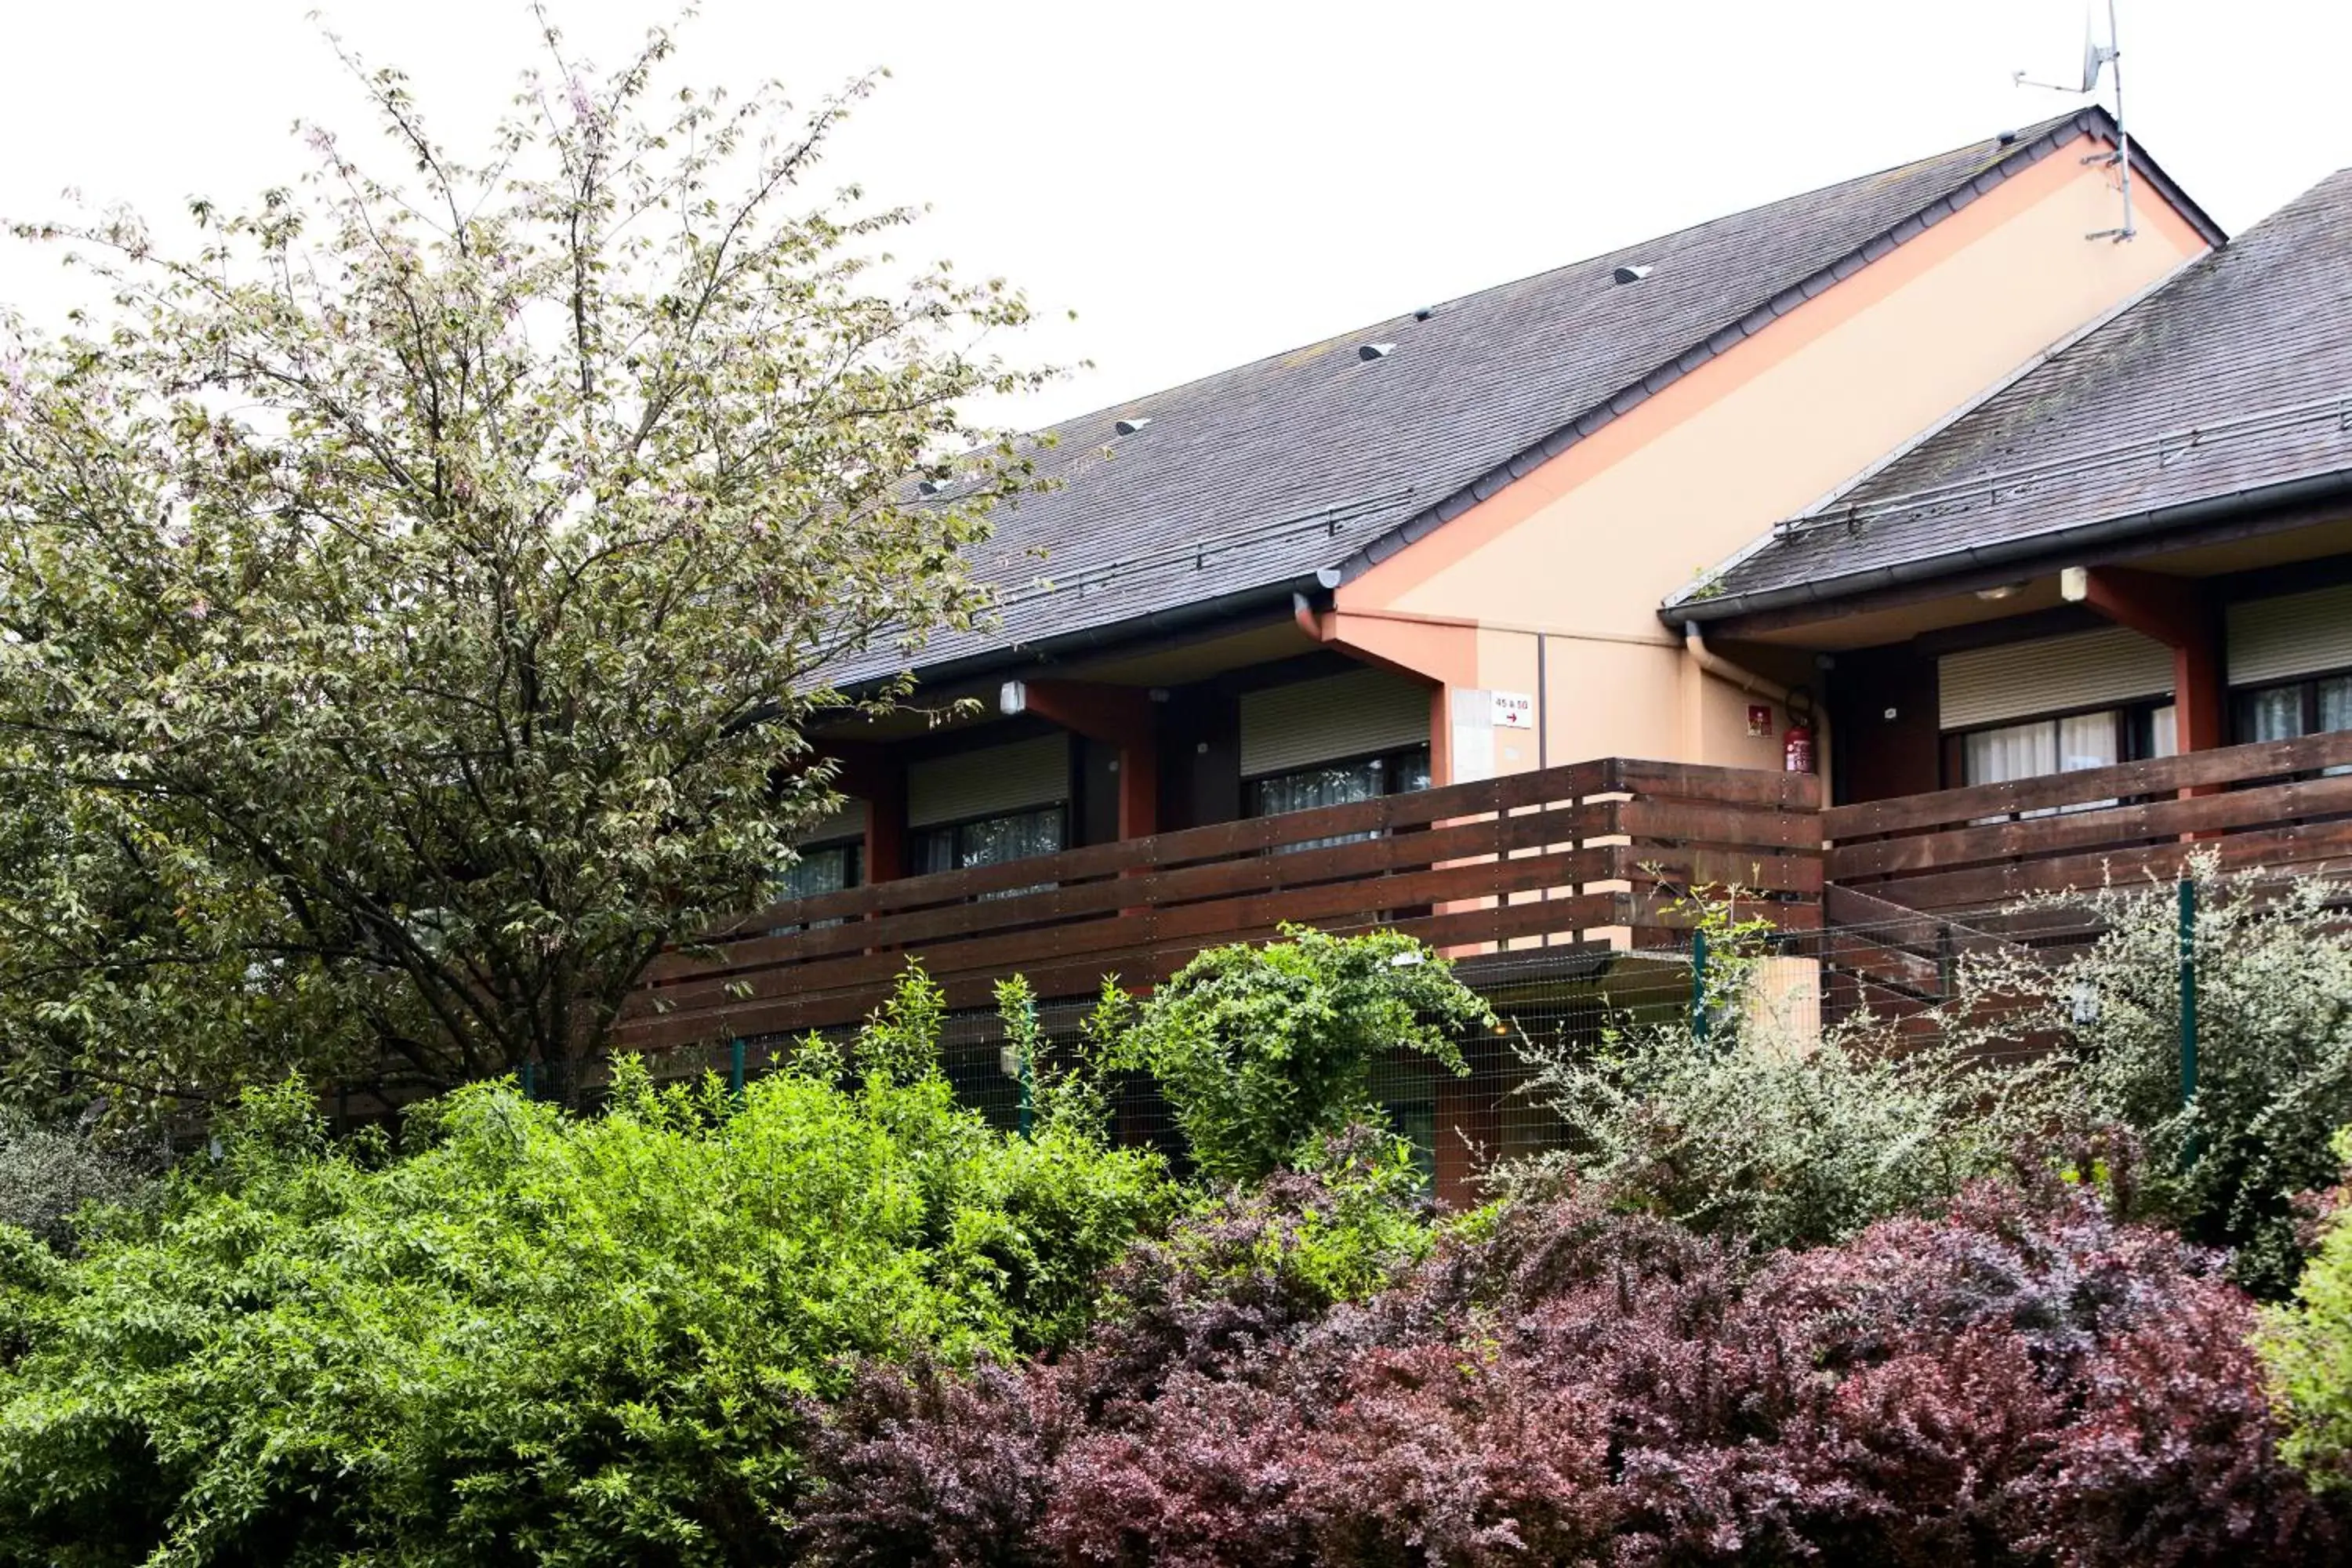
x,y
2021,1381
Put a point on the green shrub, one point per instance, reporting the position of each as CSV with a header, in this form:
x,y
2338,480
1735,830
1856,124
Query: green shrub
x,y
2306,1346
48,1175
2275,1028
536,1338
1264,1051
1790,1142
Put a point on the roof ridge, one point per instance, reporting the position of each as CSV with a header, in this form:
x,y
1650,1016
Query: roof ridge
x,y
2023,137
2020,149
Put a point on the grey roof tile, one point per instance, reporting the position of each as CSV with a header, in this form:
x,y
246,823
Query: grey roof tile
x,y
1316,458
2233,377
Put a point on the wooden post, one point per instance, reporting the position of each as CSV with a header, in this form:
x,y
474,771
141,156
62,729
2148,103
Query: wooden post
x,y
1120,716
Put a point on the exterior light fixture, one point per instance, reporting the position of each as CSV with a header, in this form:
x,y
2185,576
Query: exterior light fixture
x,y
1999,592
1012,697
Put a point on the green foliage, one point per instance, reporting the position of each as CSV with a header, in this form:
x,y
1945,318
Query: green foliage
x,y
1265,1050
412,600
50,1174
2275,1026
533,1337
2306,1348
1790,1142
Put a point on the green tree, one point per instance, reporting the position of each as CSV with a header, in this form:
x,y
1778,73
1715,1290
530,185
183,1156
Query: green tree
x,y
536,1337
414,596
1266,1051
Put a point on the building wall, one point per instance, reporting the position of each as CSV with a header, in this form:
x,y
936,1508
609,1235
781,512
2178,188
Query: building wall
x,y
1584,550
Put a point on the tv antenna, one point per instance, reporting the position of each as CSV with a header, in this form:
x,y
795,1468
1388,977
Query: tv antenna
x,y
2098,57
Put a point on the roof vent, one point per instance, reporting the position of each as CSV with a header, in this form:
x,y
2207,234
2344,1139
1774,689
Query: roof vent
x,y
1374,351
1424,312
1630,274
1129,427
931,487
2006,138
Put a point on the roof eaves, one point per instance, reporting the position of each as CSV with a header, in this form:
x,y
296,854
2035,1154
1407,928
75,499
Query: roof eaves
x,y
1182,617
1829,592
2014,159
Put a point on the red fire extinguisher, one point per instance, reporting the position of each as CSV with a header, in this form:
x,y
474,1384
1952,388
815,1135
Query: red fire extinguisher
x,y
1796,744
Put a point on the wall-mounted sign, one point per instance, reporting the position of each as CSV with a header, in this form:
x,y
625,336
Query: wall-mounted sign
x,y
1759,718
1513,710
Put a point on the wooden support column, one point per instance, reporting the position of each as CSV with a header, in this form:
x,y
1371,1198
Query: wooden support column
x,y
2175,612
1120,716
875,775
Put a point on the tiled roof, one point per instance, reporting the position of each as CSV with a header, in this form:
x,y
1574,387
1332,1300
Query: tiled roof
x,y
2230,386
1251,481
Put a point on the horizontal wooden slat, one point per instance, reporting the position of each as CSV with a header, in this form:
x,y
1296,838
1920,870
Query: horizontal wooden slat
x,y
2167,817
2315,849
2226,765
1523,856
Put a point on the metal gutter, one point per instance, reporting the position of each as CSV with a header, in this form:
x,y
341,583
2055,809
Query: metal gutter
x,y
1828,591
1111,633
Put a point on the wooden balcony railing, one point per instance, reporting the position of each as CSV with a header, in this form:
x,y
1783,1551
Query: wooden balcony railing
x,y
1590,852
2279,805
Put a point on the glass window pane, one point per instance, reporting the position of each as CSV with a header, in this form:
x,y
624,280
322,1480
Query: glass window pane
x,y
1312,787
935,850
1409,771
2013,751
2273,715
2087,741
2163,736
2335,702
998,839
816,871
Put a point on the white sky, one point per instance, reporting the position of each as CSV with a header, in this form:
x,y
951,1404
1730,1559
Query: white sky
x,y
1204,181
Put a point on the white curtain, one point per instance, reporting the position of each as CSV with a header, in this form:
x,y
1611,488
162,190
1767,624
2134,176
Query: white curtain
x,y
2013,752
2042,746
2273,715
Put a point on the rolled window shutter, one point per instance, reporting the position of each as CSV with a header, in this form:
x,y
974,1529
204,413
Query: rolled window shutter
x,y
850,822
1286,727
990,781
2296,634
2050,675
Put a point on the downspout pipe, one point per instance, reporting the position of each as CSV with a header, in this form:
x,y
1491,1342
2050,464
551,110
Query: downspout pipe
x,y
1747,680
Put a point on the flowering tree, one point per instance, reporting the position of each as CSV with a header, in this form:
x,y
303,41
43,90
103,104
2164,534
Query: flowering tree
x,y
414,599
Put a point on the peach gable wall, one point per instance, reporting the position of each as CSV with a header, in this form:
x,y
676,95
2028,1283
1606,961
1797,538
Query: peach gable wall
x,y
1585,548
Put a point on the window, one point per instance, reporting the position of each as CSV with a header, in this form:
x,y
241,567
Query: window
x,y
992,840
1338,783
2295,708
2065,744
821,868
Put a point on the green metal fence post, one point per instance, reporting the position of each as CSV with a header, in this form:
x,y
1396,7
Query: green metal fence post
x,y
1028,1082
735,1068
2188,1009
1698,984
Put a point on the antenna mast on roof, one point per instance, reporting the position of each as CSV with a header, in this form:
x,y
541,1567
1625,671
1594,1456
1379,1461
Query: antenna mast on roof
x,y
2096,54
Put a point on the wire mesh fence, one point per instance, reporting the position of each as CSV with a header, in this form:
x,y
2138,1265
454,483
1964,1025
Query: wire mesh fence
x,y
1994,978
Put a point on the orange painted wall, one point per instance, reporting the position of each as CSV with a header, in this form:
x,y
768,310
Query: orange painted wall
x,y
1585,549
